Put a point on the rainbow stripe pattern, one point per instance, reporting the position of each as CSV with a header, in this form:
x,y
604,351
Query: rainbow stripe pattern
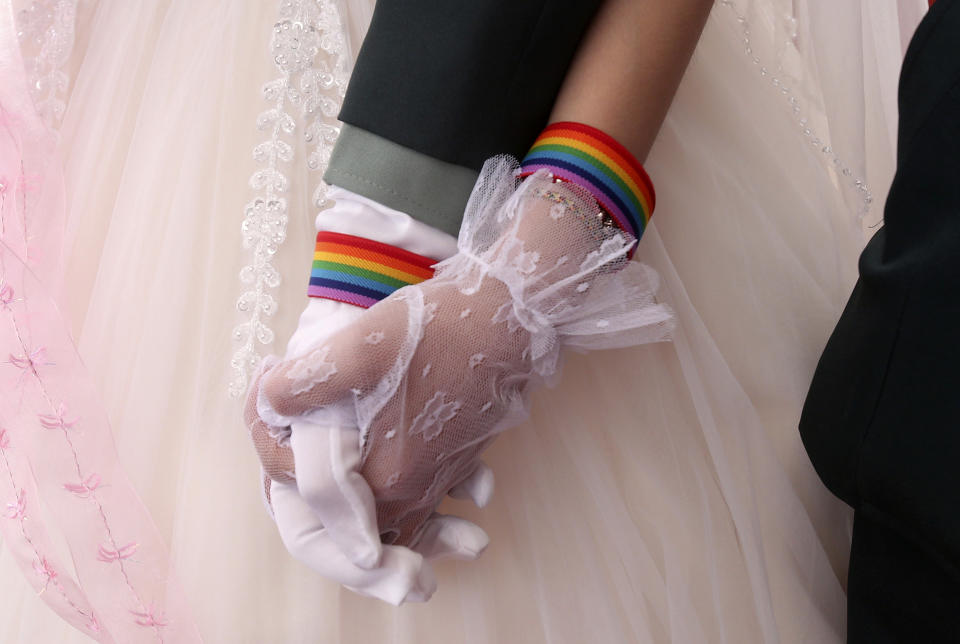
x,y
362,272
594,160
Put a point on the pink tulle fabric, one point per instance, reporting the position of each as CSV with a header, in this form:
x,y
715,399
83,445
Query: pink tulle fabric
x,y
79,532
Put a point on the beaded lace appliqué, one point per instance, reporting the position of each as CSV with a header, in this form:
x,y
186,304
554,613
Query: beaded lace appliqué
x,y
45,30
778,78
310,52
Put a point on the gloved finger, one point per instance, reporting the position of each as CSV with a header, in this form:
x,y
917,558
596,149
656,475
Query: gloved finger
x,y
328,460
449,537
265,481
250,415
478,486
403,575
354,357
275,458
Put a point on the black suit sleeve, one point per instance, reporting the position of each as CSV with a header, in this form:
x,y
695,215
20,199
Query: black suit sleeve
x,y
463,81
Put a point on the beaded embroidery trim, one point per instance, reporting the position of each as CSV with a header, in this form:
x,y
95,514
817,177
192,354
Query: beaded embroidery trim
x,y
46,31
778,79
311,54
362,272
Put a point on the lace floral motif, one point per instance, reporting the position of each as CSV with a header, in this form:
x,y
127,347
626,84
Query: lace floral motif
x,y
436,413
374,337
312,370
46,33
310,52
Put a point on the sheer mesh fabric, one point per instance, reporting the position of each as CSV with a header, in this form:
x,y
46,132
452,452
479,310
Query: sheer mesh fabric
x,y
273,446
271,443
433,373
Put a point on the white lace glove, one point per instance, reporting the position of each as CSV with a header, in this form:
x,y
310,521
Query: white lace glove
x,y
305,459
432,373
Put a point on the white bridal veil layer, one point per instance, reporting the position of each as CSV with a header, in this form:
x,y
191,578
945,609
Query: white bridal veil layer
x,y
659,494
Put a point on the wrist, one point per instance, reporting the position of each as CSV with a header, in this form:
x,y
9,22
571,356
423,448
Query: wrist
x,y
583,155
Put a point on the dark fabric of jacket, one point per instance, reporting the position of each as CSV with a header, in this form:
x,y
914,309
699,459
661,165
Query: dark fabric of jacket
x,y
463,81
881,422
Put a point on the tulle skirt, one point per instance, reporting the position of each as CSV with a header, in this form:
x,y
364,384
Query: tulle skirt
x,y
659,494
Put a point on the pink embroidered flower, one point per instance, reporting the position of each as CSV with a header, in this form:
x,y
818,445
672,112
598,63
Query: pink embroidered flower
x,y
58,420
84,488
31,361
18,509
108,555
45,569
149,617
6,293
93,624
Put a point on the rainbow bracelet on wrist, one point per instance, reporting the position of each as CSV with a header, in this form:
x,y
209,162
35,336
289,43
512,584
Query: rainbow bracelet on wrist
x,y
592,159
361,271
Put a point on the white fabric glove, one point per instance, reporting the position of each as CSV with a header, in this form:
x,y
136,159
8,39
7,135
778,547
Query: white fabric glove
x,y
310,483
432,373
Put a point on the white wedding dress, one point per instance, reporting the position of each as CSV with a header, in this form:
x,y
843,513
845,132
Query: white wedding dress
x,y
659,494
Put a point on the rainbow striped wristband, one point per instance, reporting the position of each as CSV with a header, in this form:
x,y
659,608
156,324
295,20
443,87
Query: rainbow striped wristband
x,y
362,272
593,160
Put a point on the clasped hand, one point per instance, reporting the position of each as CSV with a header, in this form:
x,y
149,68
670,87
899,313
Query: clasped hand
x,y
391,413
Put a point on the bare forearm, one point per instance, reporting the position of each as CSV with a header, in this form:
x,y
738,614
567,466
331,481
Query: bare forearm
x,y
629,66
